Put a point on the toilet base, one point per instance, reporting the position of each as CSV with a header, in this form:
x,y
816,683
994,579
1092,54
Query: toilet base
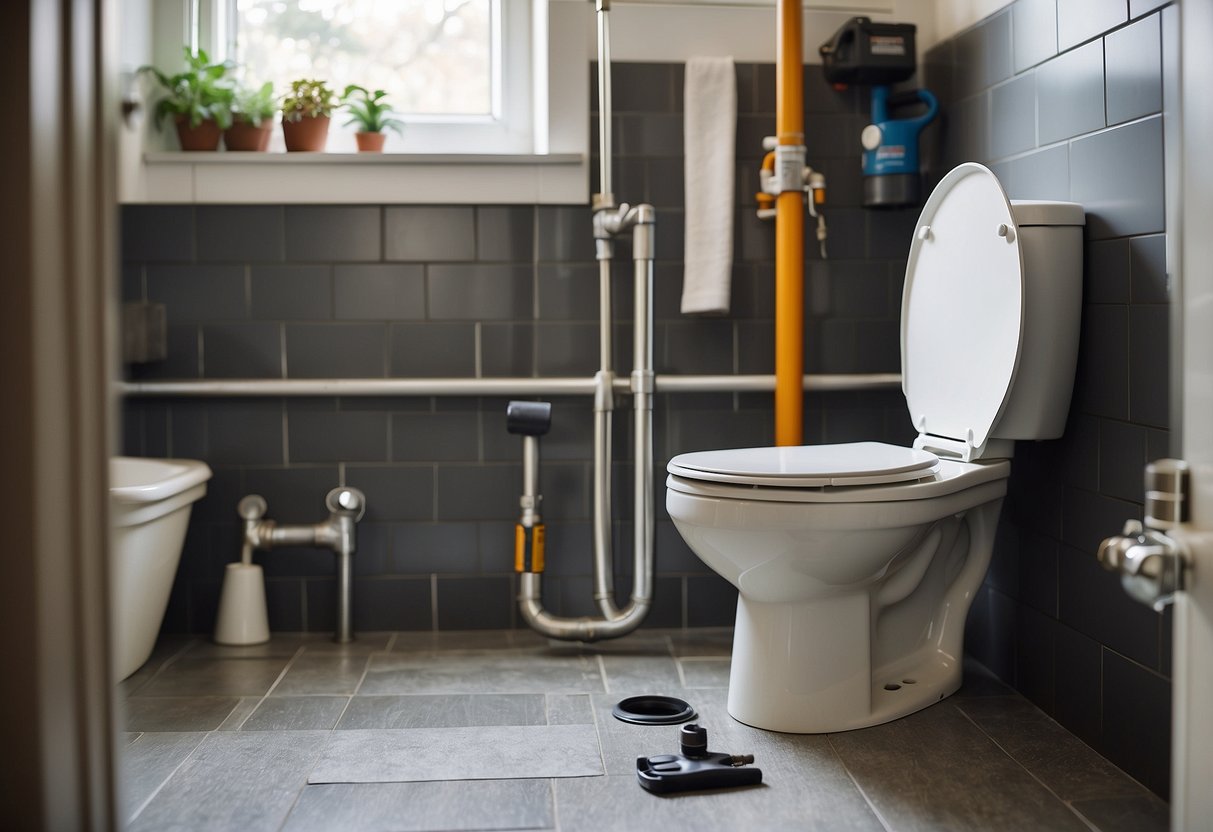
x,y
805,668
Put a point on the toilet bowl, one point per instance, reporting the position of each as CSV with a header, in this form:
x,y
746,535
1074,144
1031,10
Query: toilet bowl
x,y
150,501
856,564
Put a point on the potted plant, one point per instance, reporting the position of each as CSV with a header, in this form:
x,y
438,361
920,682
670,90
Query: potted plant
x,y
372,114
305,115
198,99
253,111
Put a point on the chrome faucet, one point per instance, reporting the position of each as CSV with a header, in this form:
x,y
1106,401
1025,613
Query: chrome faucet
x,y
346,507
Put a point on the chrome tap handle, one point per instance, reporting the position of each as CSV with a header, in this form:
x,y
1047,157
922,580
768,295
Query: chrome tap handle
x,y
252,507
347,501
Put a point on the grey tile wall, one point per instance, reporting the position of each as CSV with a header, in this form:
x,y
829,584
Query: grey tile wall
x,y
501,290
1050,620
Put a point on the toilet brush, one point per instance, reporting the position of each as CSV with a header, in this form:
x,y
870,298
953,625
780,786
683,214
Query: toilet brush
x,y
242,618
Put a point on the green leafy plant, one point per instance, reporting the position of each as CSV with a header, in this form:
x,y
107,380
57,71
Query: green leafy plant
x,y
369,110
201,91
254,104
308,99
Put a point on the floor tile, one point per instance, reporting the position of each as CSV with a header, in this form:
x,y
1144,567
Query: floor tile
x,y
215,677
444,711
978,681
296,713
146,763
167,649
487,672
280,645
240,713
703,641
936,770
630,675
414,807
459,640
569,709
705,673
1064,763
321,673
490,753
1126,814
814,793
246,780
363,643
177,713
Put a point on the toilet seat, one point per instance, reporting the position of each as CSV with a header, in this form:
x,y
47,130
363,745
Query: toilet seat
x,y
962,312
808,466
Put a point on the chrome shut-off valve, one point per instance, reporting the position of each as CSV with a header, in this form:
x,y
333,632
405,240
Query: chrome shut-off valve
x,y
1150,560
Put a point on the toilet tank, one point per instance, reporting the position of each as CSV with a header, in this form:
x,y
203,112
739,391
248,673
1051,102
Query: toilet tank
x,y
1050,238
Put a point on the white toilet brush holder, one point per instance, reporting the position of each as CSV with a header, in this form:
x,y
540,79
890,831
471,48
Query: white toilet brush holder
x,y
242,618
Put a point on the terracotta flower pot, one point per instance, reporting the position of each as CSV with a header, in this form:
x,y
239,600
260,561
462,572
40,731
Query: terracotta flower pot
x,y
203,137
370,142
244,135
306,134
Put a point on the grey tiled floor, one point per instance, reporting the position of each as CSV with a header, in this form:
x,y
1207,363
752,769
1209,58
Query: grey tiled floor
x,y
286,735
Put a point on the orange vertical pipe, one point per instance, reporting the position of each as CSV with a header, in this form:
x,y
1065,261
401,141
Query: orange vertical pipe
x,y
789,235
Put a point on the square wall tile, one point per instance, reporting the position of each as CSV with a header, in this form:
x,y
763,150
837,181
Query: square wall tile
x,y
340,436
198,294
1134,56
1081,20
1132,201
335,350
505,233
1013,116
485,603
506,350
240,233
1148,269
432,350
243,350
379,292
397,492
1044,174
323,233
157,233
479,292
292,292
1070,90
426,233
1035,32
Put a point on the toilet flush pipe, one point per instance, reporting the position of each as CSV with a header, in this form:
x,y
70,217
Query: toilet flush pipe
x,y
615,621
789,228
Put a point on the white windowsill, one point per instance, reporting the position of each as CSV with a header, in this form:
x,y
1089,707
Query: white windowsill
x,y
177,157
370,178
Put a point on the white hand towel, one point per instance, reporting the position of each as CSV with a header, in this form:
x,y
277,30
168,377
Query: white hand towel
x,y
710,125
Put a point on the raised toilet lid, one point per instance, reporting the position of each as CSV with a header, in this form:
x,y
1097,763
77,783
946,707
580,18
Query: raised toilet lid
x,y
962,308
808,466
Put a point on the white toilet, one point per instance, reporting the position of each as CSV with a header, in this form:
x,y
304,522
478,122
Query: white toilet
x,y
150,502
856,564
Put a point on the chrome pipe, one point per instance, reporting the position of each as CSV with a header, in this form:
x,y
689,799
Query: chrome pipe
x,y
346,507
605,196
352,387
617,622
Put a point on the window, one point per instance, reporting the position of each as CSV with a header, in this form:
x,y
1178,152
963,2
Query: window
x,y
458,72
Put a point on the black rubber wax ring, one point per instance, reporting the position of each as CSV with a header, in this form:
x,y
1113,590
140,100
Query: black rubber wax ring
x,y
653,710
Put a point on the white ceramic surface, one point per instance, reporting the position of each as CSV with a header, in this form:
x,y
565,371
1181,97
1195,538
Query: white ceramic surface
x,y
242,617
853,587
150,501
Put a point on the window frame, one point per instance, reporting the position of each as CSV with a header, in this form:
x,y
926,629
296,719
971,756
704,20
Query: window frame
x,y
554,172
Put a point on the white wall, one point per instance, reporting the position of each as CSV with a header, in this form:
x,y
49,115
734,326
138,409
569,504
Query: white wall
x,y
649,30
953,15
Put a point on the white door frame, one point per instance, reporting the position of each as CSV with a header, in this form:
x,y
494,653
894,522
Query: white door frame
x,y
1192,732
